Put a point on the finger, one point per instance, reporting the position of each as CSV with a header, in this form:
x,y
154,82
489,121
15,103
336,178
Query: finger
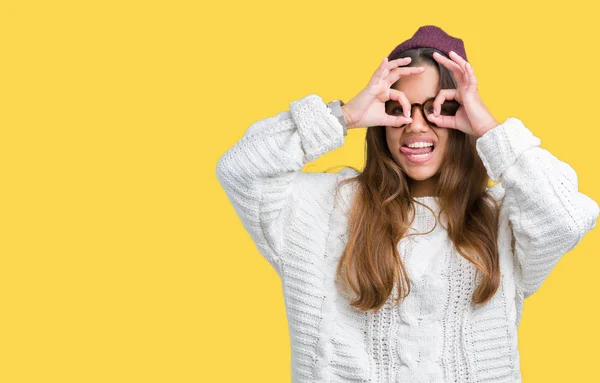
x,y
400,61
395,74
400,97
445,60
377,76
463,65
443,121
381,68
396,121
458,58
468,72
393,64
454,67
472,79
443,95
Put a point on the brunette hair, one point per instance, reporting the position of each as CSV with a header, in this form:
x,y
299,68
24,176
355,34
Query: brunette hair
x,y
379,217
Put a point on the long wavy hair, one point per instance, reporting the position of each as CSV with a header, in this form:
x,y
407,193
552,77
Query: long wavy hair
x,y
379,216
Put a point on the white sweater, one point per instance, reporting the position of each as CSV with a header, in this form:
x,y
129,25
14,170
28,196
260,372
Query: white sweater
x,y
436,334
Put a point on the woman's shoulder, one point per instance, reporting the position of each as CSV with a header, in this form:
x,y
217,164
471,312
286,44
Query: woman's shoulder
x,y
348,171
318,195
321,190
497,192
328,180
346,190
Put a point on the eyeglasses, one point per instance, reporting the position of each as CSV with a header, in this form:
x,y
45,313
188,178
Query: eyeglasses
x,y
449,108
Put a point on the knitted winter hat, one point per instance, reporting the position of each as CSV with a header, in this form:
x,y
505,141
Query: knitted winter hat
x,y
431,36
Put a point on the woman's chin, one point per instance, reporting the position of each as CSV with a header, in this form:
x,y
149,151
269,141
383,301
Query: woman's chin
x,y
420,174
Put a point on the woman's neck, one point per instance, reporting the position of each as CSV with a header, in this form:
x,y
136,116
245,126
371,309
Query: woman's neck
x,y
423,188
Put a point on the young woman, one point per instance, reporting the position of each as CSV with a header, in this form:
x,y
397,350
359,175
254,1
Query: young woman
x,y
413,270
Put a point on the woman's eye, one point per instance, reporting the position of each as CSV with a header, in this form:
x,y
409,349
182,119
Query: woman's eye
x,y
396,109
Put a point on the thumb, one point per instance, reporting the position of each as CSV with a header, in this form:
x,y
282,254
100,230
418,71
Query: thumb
x,y
396,121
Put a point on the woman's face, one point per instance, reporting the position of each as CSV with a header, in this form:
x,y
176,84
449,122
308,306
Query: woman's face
x,y
417,88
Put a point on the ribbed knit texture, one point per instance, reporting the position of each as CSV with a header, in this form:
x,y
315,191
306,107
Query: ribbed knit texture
x,y
431,36
436,334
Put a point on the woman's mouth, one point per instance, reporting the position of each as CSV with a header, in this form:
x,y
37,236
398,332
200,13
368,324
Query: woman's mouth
x,y
418,155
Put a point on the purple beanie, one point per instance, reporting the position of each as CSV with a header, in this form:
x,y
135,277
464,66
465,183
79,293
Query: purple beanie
x,y
430,36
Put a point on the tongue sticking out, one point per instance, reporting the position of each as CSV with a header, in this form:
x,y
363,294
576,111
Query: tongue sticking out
x,y
407,150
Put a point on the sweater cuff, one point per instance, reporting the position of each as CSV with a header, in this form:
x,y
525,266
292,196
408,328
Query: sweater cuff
x,y
500,146
319,130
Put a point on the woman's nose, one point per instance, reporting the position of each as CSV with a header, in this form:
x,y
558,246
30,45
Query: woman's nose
x,y
419,121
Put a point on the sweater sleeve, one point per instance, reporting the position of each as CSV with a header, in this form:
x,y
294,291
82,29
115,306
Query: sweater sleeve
x,y
261,174
547,213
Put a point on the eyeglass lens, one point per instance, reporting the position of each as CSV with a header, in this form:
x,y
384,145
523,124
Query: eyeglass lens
x,y
449,108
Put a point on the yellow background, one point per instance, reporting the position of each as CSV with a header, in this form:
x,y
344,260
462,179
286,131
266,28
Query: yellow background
x,y
121,259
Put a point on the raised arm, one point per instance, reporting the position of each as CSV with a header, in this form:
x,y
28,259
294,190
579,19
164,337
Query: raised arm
x,y
547,213
262,170
261,173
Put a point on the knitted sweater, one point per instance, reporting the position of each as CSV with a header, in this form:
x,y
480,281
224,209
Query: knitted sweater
x,y
436,334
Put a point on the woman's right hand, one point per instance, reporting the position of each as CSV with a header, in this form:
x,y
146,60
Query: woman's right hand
x,y
367,108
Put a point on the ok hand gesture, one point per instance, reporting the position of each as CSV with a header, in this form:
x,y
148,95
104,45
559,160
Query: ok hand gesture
x,y
367,108
472,117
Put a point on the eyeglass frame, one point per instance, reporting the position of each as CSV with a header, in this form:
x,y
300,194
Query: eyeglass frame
x,y
422,107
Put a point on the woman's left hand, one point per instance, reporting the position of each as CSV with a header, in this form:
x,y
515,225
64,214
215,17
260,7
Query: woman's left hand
x,y
472,117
